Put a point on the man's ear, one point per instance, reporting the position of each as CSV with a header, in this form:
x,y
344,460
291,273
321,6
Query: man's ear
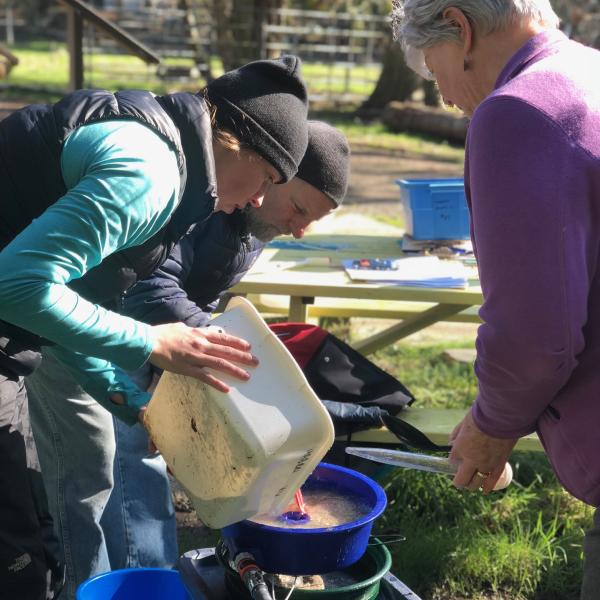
x,y
458,18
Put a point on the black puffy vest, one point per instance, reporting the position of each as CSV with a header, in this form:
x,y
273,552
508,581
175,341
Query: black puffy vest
x,y
223,254
205,264
31,141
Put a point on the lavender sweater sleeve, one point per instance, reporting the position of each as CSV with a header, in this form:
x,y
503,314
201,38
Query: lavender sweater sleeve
x,y
529,231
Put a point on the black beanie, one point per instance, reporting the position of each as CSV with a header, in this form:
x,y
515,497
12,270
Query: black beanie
x,y
326,164
264,104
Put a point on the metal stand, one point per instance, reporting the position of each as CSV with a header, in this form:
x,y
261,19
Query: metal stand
x,y
204,578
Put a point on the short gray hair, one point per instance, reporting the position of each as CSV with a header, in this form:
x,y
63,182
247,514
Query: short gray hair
x,y
419,24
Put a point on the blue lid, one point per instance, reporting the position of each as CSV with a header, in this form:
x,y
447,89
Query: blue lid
x,y
445,181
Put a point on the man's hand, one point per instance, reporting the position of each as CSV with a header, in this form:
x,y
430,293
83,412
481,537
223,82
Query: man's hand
x,y
482,457
188,350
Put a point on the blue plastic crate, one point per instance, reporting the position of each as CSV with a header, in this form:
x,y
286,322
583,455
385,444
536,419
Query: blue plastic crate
x,y
435,209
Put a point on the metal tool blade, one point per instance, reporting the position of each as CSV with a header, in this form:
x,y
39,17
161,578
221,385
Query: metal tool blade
x,y
408,460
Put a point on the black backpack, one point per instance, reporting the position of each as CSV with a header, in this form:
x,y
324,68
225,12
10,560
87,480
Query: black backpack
x,y
356,392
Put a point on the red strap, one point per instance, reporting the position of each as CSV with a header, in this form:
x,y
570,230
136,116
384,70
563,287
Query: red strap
x,y
301,339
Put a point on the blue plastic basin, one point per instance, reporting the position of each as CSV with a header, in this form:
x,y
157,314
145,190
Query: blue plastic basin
x,y
312,551
435,209
134,584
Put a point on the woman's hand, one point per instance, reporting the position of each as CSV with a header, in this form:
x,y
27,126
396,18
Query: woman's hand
x,y
188,350
482,457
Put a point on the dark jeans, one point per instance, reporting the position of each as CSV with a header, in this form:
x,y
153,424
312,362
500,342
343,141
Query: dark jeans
x,y
590,588
22,559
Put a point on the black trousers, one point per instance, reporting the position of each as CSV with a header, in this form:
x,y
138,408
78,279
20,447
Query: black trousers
x,y
23,567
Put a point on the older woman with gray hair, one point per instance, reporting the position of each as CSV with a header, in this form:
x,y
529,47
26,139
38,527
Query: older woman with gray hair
x,y
532,177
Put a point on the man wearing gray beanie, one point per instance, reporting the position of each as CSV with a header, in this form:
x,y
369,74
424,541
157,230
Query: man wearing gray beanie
x,y
264,104
326,163
216,255
319,186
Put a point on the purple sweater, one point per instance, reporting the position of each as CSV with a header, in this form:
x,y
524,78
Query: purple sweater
x,y
532,176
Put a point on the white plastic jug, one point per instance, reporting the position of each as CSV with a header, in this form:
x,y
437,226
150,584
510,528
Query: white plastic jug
x,y
247,451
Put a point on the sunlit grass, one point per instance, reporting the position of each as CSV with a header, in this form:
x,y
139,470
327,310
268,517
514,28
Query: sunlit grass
x,y
427,372
375,135
46,64
521,544
524,543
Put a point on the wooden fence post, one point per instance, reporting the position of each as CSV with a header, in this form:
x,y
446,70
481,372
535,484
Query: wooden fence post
x,y
10,24
75,45
78,11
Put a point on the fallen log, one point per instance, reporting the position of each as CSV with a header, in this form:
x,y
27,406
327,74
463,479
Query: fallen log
x,y
418,118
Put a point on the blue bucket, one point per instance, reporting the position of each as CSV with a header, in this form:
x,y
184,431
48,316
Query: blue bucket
x,y
134,584
312,551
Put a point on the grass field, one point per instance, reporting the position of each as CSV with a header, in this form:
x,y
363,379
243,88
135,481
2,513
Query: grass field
x,y
375,136
520,544
523,543
45,64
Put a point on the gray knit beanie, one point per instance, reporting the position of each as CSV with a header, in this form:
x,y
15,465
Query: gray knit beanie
x,y
264,104
326,164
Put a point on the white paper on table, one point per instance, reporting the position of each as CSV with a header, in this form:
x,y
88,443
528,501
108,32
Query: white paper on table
x,y
419,271
268,266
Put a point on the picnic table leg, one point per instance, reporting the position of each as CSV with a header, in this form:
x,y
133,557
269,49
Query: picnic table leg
x,y
436,313
299,309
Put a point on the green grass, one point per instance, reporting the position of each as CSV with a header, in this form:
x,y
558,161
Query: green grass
x,y
364,134
524,543
45,64
358,81
432,378
41,64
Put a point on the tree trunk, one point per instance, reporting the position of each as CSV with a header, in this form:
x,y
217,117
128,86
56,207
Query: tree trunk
x,y
431,96
407,116
396,81
238,25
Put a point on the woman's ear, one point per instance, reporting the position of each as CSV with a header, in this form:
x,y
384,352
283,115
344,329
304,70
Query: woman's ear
x,y
458,18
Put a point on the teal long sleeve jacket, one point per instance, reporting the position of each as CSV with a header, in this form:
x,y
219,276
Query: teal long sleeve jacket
x,y
123,184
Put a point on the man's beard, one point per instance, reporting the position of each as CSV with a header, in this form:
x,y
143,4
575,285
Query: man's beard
x,y
258,228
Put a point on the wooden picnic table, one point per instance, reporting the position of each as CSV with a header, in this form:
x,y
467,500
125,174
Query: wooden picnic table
x,y
315,290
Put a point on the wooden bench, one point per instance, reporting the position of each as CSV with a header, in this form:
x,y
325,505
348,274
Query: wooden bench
x,y
268,304
436,423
